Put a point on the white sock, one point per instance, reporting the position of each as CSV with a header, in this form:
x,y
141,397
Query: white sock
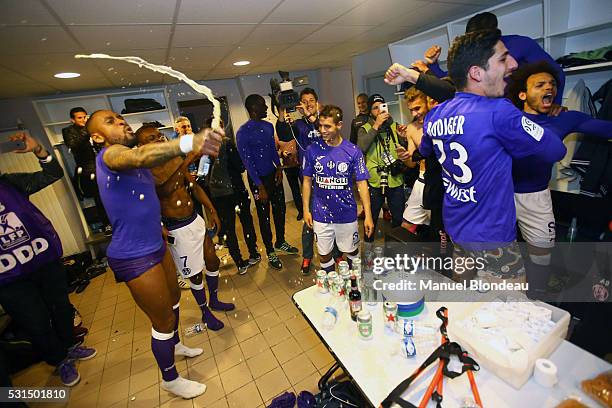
x,y
182,350
183,387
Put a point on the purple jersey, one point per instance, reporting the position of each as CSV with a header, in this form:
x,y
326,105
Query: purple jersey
x,y
333,169
133,209
533,174
476,139
257,149
27,239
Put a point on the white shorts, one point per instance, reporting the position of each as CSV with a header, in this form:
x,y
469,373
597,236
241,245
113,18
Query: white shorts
x,y
414,212
534,214
188,247
345,235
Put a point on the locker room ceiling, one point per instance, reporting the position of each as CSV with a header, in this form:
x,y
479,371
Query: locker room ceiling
x,y
199,37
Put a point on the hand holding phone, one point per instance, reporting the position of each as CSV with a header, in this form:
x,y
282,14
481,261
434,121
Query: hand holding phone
x,y
383,107
11,146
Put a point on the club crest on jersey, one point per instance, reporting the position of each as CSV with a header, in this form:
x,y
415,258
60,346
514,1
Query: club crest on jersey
x,y
12,231
318,167
342,167
533,129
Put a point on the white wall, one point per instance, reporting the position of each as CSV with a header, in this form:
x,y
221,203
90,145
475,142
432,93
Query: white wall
x,y
372,62
336,87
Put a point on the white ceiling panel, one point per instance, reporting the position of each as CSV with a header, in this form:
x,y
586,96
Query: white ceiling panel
x,y
311,11
434,14
336,33
103,39
198,58
31,40
139,79
280,33
254,54
111,12
187,35
223,11
25,12
15,90
378,12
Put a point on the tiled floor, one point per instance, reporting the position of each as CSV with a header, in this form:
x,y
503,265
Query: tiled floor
x,y
265,348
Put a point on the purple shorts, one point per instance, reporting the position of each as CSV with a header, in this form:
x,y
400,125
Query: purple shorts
x,y
127,269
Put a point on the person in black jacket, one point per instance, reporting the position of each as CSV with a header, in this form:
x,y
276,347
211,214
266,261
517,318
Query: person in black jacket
x,y
33,286
79,144
362,117
230,197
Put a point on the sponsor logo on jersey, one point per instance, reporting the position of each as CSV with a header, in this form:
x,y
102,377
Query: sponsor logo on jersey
x,y
318,167
533,129
186,271
463,195
330,165
331,183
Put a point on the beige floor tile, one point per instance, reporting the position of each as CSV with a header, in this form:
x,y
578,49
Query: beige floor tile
x,y
142,361
279,300
203,370
117,372
229,358
319,356
98,325
113,393
204,356
223,341
288,311
254,298
236,377
254,345
147,398
214,392
88,401
144,379
268,320
272,290
296,324
104,312
119,341
118,356
222,403
309,384
286,350
87,386
262,363
177,402
272,383
120,404
307,339
298,368
245,397
90,367
276,334
246,331
239,317
261,308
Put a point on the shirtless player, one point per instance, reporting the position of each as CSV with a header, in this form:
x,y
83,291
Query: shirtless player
x,y
191,247
137,253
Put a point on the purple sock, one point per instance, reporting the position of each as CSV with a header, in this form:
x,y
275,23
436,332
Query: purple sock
x,y
162,346
175,309
328,266
212,281
200,296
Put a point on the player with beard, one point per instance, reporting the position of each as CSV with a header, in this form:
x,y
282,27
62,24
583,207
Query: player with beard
x,y
533,89
333,165
476,136
137,253
191,247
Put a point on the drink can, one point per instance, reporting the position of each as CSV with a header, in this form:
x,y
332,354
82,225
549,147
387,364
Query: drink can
x,y
357,274
345,274
330,279
378,252
343,266
364,325
322,286
357,264
338,287
390,314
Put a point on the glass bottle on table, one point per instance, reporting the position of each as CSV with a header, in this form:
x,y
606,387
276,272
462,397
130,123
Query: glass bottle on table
x,y
354,299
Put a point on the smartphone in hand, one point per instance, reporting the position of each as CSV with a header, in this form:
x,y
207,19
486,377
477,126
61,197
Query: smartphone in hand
x,y
11,145
383,108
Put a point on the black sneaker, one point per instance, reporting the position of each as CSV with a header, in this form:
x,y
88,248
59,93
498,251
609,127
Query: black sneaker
x,y
242,267
286,248
254,259
274,262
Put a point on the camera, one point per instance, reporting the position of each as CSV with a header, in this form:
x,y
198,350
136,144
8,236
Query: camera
x,y
383,172
283,96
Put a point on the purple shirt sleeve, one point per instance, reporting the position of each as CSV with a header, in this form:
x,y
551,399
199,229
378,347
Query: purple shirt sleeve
x,y
307,169
583,123
245,154
437,71
521,137
360,171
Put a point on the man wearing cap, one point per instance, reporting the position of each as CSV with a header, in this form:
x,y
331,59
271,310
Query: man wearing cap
x,y
379,141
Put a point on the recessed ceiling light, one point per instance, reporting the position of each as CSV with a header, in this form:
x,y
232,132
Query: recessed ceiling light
x,y
241,63
66,75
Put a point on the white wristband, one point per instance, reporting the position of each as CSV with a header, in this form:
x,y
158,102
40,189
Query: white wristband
x,y
186,143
